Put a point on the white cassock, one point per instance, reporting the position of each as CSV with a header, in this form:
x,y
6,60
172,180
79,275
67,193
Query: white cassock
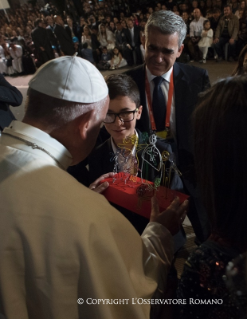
x,y
17,58
3,67
60,241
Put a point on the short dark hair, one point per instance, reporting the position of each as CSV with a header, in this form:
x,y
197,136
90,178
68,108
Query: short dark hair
x,y
227,6
123,85
221,156
37,22
205,21
216,10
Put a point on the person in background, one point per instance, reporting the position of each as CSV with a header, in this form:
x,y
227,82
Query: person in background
x,y
117,60
124,24
196,27
121,42
65,41
242,34
240,11
104,60
86,53
106,37
71,28
112,27
206,40
80,27
241,68
16,52
10,95
223,185
133,43
42,42
3,61
51,35
77,46
234,5
86,37
214,20
226,32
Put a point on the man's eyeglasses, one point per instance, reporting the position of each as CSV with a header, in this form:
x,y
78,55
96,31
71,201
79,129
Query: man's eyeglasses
x,y
126,116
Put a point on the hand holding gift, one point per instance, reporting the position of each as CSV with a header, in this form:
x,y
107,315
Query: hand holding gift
x,y
172,217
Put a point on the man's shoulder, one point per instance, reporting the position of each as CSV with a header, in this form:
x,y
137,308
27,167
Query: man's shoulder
x,y
34,31
234,18
190,70
193,76
222,18
136,71
58,27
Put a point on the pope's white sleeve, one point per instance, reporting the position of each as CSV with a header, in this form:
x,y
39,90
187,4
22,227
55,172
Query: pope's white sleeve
x,y
159,248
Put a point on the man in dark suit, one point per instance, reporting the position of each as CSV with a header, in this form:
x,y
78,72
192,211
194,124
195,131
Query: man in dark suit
x,y
42,42
71,28
9,95
50,31
165,32
121,42
65,41
133,42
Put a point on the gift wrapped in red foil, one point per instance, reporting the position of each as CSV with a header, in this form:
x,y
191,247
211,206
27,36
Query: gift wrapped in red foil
x,y
135,194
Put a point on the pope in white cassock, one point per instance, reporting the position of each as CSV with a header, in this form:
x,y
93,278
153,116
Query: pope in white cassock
x,y
60,241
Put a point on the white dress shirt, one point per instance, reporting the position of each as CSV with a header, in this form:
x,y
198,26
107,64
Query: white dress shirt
x,y
132,36
196,27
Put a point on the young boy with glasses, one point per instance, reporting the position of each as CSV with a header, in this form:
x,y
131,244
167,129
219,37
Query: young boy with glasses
x,y
120,122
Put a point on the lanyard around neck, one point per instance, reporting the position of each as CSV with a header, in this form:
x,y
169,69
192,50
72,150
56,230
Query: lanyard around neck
x,y
168,105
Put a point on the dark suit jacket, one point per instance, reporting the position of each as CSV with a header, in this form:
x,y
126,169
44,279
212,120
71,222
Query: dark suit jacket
x,y
41,39
9,95
100,162
136,36
52,37
120,37
95,42
189,81
68,30
65,41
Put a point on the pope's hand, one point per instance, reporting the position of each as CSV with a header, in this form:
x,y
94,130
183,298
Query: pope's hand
x,y
172,217
97,186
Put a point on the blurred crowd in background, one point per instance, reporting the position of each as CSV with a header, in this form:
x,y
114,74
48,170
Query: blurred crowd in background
x,y
110,34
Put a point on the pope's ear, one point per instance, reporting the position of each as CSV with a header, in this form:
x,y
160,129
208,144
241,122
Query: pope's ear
x,y
139,113
84,123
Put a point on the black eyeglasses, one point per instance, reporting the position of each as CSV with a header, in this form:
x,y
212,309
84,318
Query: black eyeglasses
x,y
126,116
